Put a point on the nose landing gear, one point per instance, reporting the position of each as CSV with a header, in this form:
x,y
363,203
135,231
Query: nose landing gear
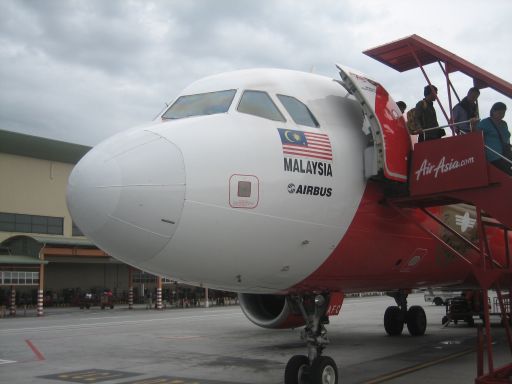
x,y
314,368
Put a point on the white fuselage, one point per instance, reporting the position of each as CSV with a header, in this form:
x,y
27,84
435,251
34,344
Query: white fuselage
x,y
164,197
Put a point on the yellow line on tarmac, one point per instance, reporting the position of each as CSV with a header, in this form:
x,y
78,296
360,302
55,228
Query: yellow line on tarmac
x,y
414,368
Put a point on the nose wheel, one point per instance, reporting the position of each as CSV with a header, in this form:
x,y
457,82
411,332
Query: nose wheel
x,y
324,371
314,368
297,370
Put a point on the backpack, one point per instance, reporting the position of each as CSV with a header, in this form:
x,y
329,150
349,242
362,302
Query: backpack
x,y
412,125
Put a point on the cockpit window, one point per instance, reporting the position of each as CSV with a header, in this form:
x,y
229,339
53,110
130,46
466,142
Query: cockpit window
x,y
298,111
260,104
200,104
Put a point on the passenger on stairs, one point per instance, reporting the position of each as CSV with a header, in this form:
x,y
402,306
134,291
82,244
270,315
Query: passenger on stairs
x,y
402,106
426,117
465,110
497,137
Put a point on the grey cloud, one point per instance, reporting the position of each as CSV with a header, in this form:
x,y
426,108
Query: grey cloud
x,y
89,34
81,70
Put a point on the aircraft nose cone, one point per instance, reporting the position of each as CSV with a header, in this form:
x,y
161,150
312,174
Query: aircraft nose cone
x,y
127,194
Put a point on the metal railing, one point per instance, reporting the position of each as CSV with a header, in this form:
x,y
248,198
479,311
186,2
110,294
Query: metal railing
x,y
464,133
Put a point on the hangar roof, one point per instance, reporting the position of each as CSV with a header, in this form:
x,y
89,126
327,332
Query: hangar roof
x,y
77,242
20,259
21,144
25,249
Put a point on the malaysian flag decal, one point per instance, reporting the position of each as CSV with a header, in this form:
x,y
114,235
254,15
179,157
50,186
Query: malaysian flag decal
x,y
305,144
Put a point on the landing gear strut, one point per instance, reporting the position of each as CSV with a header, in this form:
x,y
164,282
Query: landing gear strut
x,y
314,368
396,316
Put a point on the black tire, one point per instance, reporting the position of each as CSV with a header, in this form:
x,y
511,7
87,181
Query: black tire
x,y
444,320
324,371
393,321
416,321
438,301
470,321
297,370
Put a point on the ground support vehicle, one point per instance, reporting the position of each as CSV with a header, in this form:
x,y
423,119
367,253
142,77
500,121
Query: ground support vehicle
x,y
107,300
459,309
87,300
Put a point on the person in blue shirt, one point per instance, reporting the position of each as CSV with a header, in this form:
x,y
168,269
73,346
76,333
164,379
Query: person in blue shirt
x,y
497,137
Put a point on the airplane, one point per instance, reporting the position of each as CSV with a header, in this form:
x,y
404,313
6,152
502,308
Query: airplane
x,y
273,183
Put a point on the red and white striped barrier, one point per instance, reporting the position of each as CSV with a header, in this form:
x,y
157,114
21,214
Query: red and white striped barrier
x,y
40,311
159,298
130,298
13,302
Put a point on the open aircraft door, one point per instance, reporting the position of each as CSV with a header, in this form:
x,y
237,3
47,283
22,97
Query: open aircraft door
x,y
391,148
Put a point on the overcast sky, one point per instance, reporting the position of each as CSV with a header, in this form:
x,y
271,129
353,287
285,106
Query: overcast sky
x,y
81,71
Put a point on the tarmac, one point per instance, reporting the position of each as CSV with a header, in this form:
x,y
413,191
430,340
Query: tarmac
x,y
219,345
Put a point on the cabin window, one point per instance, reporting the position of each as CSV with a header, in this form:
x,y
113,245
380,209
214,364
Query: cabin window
x,y
260,104
201,104
299,112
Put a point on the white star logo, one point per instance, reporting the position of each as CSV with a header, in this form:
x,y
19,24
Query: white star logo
x,y
465,221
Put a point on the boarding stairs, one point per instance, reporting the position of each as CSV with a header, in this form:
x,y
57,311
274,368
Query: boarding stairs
x,y
435,174
466,177
475,182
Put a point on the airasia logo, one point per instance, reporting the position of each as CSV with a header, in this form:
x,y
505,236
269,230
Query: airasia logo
x,y
427,168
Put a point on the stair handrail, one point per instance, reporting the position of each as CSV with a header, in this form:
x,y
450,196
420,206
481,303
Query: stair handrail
x,y
465,133
446,126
